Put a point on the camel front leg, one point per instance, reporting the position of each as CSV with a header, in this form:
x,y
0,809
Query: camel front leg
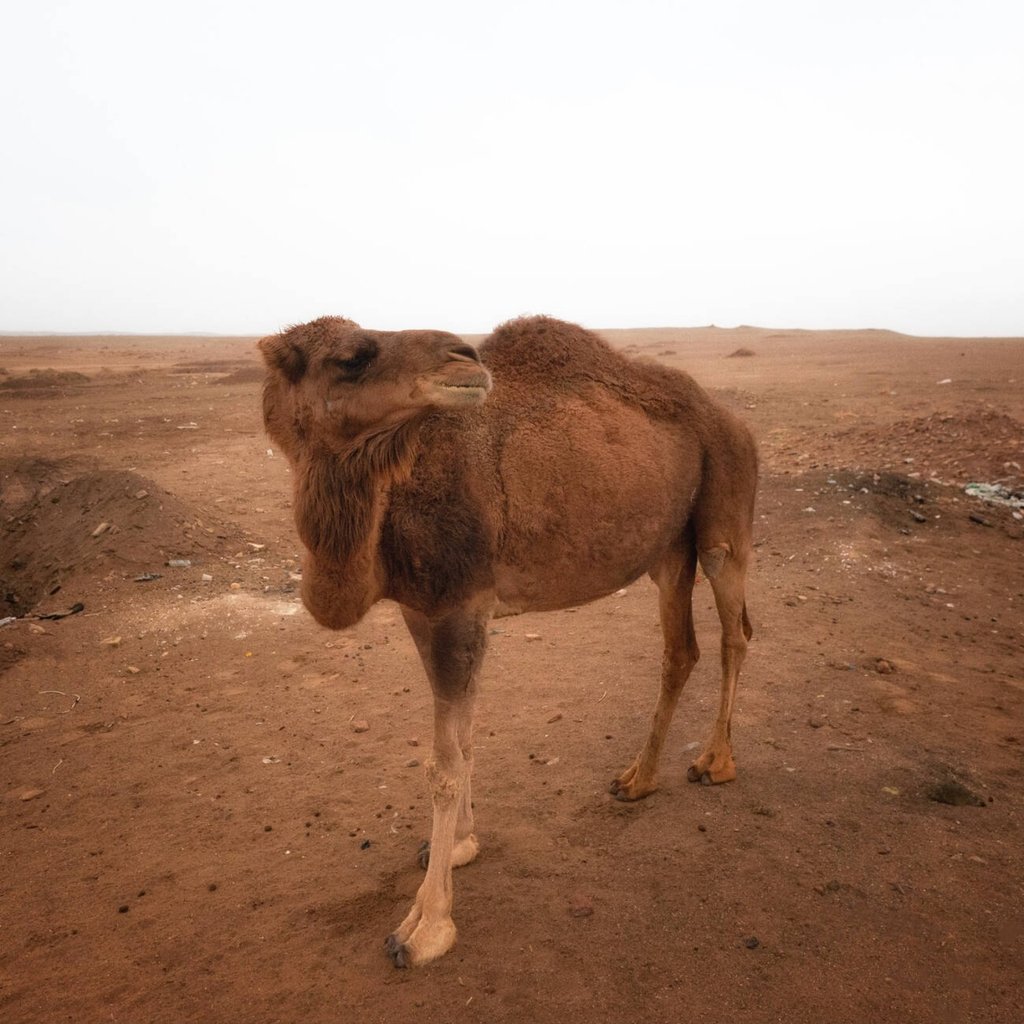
x,y
452,650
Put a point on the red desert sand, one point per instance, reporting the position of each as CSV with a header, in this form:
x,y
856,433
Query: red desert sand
x,y
212,806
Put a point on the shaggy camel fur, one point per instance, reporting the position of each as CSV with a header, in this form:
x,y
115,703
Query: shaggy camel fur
x,y
578,473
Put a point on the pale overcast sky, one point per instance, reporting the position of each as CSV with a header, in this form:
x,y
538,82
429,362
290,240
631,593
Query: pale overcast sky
x,y
235,166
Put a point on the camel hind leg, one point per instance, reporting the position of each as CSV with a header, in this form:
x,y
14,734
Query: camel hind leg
x,y
726,570
674,577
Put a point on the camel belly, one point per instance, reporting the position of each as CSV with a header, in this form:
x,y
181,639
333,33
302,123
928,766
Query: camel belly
x,y
592,502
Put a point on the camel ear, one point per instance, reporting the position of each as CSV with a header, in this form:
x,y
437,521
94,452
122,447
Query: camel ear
x,y
282,354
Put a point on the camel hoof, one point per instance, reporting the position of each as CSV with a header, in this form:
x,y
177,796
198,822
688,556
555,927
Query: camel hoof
x,y
396,950
710,776
423,854
627,792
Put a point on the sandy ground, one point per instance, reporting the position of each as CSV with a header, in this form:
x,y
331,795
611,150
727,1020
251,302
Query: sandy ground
x,y
193,831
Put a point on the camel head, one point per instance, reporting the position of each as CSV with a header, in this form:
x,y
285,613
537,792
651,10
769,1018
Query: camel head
x,y
330,381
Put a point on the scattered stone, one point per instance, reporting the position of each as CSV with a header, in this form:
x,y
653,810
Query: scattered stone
x,y
883,667
271,760
31,794
620,593
980,520
365,844
816,723
111,641
361,726
555,718
412,763
533,636
123,909
134,669
581,906
236,586
101,529
179,563
752,943
917,517
552,761
34,627
146,577
413,741
206,578
143,493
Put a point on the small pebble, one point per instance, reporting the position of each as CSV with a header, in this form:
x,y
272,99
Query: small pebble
x,y
752,943
361,726
412,763
31,794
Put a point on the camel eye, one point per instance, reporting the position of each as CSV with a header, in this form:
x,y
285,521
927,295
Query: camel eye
x,y
355,365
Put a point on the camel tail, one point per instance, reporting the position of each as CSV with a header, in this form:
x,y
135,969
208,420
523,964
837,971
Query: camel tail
x,y
748,632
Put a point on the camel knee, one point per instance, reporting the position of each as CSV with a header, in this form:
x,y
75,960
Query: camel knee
x,y
712,560
445,778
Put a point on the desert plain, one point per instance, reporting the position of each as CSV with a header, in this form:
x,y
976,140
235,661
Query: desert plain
x,y
210,807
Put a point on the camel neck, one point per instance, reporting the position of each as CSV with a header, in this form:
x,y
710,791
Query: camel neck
x,y
340,496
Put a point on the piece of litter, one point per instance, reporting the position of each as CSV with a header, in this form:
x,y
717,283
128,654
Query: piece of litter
x,y
111,641
996,494
533,636
146,577
271,760
179,563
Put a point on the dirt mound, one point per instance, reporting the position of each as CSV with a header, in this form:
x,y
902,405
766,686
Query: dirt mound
x,y
741,353
59,523
42,379
982,446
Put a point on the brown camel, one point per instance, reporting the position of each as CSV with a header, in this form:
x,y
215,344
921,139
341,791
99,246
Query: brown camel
x,y
577,473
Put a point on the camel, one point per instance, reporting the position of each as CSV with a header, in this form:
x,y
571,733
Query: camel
x,y
540,472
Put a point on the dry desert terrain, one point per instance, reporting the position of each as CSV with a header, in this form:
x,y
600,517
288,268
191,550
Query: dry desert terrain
x,y
191,828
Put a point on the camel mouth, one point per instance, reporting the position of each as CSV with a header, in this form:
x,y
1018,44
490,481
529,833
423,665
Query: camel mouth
x,y
461,388
461,394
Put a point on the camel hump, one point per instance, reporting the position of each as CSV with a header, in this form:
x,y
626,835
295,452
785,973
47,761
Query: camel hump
x,y
552,355
541,345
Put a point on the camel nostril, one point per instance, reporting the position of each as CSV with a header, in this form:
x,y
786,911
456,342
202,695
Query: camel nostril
x,y
464,352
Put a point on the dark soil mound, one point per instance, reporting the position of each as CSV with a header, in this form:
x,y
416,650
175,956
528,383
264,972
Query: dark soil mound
x,y
42,379
58,523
